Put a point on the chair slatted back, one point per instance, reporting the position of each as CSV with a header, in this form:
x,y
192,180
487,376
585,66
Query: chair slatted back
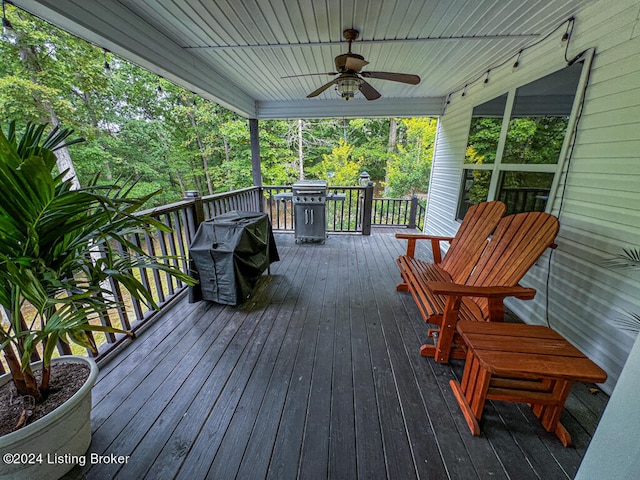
x,y
471,239
517,243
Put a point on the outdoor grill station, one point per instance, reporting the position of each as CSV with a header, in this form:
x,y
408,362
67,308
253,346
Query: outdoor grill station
x,y
309,199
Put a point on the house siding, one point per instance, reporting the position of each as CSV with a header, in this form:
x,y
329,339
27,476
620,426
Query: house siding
x,y
599,211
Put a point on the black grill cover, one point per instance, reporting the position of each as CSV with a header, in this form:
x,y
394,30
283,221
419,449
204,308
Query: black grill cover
x,y
229,254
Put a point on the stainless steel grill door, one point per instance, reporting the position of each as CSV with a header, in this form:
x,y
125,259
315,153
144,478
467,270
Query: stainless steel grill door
x,y
310,222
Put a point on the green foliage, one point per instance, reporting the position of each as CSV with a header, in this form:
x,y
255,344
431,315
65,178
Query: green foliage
x,y
370,138
482,145
277,158
535,140
628,259
478,191
339,167
137,123
56,252
408,170
530,140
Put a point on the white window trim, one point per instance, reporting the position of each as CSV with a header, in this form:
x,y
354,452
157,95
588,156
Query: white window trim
x,y
497,167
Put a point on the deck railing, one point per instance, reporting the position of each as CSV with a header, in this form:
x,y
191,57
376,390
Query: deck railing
x,y
398,212
355,213
524,199
183,219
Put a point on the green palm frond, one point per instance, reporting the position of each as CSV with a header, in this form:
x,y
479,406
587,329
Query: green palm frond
x,y
33,141
58,246
630,322
628,259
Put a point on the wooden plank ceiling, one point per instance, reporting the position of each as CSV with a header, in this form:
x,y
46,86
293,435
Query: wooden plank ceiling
x,y
236,52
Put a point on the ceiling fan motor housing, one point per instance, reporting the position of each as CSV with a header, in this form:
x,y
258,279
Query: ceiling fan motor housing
x,y
341,61
349,81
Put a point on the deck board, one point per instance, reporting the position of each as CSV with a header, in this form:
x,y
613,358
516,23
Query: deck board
x,y
317,375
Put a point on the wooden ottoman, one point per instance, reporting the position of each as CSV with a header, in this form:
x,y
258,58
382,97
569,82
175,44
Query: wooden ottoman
x,y
520,363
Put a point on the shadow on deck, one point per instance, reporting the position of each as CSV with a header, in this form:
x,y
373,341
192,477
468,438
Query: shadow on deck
x,y
317,375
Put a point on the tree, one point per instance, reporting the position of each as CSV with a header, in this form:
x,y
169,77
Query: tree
x,y
139,124
370,139
408,170
339,167
310,140
49,75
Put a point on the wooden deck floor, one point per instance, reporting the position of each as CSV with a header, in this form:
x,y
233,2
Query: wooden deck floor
x,y
317,376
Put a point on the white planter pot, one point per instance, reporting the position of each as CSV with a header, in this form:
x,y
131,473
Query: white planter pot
x,y
51,446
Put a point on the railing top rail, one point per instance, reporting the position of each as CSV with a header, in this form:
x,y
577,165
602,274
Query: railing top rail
x,y
182,204
527,189
334,187
172,207
233,193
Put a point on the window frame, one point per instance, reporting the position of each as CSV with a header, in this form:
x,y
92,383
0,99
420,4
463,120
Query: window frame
x,y
498,167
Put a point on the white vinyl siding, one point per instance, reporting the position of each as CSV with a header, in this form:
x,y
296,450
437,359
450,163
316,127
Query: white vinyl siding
x,y
601,208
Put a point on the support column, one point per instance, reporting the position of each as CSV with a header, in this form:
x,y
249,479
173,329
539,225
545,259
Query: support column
x,y
413,211
367,207
256,172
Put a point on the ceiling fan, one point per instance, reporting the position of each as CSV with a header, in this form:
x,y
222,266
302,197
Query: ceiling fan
x,y
350,78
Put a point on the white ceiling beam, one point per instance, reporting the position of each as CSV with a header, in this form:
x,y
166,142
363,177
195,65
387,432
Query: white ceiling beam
x,y
357,108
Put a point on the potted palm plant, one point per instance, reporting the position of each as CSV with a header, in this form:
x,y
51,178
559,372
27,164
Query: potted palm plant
x,y
629,259
56,254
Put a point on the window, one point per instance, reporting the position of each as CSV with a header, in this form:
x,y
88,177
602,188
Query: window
x,y
516,142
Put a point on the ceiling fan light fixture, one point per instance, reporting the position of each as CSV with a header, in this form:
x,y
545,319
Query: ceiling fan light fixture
x,y
347,87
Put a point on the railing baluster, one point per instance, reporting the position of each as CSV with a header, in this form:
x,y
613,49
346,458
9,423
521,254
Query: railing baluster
x,y
123,315
151,249
165,252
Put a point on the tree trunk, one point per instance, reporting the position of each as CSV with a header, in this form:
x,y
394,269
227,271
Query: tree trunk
x,y
180,182
205,159
228,161
391,148
300,153
63,159
24,381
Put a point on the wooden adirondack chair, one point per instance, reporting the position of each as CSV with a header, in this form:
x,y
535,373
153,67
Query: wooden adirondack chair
x,y
466,247
517,243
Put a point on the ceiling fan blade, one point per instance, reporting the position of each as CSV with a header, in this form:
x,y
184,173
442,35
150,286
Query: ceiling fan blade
x,y
310,74
368,91
355,64
317,92
394,77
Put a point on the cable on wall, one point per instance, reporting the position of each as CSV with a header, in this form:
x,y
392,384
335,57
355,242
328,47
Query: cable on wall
x,y
484,76
572,146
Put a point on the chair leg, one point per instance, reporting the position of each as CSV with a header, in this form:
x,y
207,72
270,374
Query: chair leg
x,y
468,414
563,435
457,350
447,330
472,393
427,350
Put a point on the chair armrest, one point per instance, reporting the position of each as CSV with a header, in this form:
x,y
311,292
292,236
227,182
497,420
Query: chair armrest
x,y
422,236
435,244
458,290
